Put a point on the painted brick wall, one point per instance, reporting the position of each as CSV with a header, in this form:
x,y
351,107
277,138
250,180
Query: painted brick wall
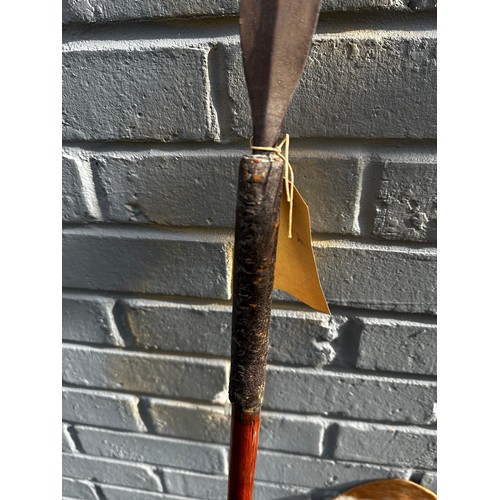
x,y
156,118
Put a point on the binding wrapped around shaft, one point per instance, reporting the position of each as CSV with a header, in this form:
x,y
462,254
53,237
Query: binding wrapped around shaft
x,y
260,186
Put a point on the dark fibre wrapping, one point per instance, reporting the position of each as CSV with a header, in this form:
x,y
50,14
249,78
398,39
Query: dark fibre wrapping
x,y
256,233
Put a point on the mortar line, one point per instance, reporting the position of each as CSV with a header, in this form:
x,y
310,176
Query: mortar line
x,y
325,420
334,240
154,494
89,188
278,305
75,438
205,234
408,468
217,89
358,230
386,376
326,368
312,145
326,455
224,26
289,412
148,352
98,490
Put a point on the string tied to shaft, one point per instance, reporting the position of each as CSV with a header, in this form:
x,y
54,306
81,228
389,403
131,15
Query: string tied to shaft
x,y
288,176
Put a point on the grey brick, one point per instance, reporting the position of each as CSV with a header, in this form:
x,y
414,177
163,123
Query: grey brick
x,y
79,489
330,186
149,261
76,205
318,473
154,450
417,5
350,395
191,485
429,481
179,327
119,411
381,444
355,85
373,277
406,205
170,376
268,491
301,338
89,319
129,94
68,445
207,423
172,189
111,10
294,434
396,5
167,189
190,421
110,471
398,346
118,493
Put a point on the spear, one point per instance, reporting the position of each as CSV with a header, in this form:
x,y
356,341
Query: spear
x,y
276,37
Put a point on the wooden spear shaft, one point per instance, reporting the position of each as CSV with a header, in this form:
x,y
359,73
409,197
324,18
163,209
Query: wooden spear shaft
x,y
256,234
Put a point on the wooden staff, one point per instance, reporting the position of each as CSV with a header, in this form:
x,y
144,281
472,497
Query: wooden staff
x,y
275,38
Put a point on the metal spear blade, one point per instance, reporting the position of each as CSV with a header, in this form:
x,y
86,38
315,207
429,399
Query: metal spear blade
x,y
276,37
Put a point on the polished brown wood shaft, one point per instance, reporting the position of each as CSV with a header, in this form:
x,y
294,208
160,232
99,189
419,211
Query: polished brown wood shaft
x,y
243,456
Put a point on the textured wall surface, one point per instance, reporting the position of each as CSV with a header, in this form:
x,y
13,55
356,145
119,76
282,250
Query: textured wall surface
x,y
156,118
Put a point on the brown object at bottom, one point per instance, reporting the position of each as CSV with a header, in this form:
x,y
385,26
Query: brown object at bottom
x,y
387,489
243,455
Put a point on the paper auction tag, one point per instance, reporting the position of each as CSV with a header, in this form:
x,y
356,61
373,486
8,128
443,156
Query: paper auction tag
x,y
296,271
